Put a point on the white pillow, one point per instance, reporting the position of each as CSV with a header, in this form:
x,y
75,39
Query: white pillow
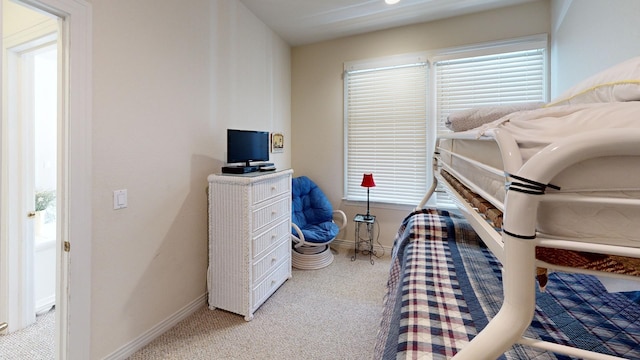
x,y
616,84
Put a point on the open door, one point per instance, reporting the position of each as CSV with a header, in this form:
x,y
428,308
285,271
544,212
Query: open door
x,y
74,183
30,122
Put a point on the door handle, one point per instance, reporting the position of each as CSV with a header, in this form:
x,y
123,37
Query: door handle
x,y
31,214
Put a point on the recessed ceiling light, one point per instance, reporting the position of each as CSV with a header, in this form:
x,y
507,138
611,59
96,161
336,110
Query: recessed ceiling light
x,y
391,2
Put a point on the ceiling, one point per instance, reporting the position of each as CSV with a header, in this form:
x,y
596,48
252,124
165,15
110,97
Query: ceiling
x,y
301,22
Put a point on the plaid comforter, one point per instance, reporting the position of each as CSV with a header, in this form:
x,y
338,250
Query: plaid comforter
x,y
444,286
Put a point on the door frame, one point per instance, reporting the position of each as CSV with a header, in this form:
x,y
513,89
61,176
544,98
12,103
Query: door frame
x,y
17,254
73,301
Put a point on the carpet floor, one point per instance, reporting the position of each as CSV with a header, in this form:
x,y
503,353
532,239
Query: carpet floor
x,y
330,313
35,342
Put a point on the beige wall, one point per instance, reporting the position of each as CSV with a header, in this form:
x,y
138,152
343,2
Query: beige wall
x,y
169,78
317,91
590,36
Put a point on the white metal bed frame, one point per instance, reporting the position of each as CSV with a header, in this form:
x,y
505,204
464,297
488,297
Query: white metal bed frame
x,y
515,245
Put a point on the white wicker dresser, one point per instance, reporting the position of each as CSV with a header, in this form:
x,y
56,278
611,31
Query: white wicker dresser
x,y
249,239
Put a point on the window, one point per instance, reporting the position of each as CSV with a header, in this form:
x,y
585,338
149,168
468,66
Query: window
x,y
386,130
391,119
505,75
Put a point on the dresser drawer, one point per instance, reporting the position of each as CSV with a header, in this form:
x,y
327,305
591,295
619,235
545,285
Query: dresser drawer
x,y
268,262
249,239
271,283
270,188
271,212
276,234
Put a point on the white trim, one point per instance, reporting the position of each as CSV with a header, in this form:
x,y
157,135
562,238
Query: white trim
x,y
386,61
77,265
491,47
148,336
74,334
3,278
435,55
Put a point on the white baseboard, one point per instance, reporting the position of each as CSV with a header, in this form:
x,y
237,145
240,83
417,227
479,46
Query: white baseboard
x,y
166,324
148,336
45,304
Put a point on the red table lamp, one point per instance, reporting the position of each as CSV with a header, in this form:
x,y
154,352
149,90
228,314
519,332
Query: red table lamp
x,y
367,181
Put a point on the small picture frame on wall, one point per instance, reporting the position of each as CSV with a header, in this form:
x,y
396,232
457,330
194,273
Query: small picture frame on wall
x,y
277,142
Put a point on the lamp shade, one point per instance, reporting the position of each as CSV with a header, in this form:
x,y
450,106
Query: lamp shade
x,y
367,181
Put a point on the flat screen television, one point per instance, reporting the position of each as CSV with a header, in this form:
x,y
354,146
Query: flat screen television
x,y
244,146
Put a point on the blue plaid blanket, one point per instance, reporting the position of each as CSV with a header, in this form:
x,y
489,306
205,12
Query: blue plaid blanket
x,y
444,286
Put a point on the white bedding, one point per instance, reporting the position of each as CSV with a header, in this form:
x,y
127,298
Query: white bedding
x,y
535,129
596,209
617,177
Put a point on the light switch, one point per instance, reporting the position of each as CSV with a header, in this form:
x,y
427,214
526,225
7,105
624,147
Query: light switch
x,y
119,199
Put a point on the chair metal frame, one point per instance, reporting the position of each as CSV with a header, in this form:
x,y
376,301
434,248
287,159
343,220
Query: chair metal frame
x,y
307,255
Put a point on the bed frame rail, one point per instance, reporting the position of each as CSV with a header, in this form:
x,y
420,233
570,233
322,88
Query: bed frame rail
x,y
515,245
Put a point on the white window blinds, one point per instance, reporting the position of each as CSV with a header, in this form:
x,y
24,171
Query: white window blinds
x,y
394,106
495,79
498,75
386,132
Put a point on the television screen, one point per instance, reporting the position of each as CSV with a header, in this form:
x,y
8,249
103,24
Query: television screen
x,y
246,145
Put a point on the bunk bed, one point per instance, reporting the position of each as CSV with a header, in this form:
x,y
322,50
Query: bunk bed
x,y
547,188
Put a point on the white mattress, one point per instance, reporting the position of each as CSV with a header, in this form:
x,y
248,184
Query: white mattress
x,y
616,177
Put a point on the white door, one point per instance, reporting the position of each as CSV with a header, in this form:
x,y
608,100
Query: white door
x,y
73,295
31,121
41,95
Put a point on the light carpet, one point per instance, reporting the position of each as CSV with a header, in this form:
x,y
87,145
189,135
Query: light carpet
x,y
330,313
35,342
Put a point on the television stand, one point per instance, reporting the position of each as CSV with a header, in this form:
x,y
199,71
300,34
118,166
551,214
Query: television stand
x,y
249,239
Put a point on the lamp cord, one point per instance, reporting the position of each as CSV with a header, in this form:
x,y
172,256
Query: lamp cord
x,y
378,241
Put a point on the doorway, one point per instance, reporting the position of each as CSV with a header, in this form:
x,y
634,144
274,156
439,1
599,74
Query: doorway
x,y
43,66
31,119
73,187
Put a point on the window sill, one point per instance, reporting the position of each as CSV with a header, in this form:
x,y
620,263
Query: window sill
x,y
379,205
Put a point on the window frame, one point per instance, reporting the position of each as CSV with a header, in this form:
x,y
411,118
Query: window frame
x,y
396,62
433,123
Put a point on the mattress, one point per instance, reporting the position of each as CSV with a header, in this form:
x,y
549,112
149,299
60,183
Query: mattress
x,y
444,286
476,159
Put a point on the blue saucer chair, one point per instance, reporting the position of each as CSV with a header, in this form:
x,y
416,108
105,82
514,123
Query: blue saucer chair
x,y
314,225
